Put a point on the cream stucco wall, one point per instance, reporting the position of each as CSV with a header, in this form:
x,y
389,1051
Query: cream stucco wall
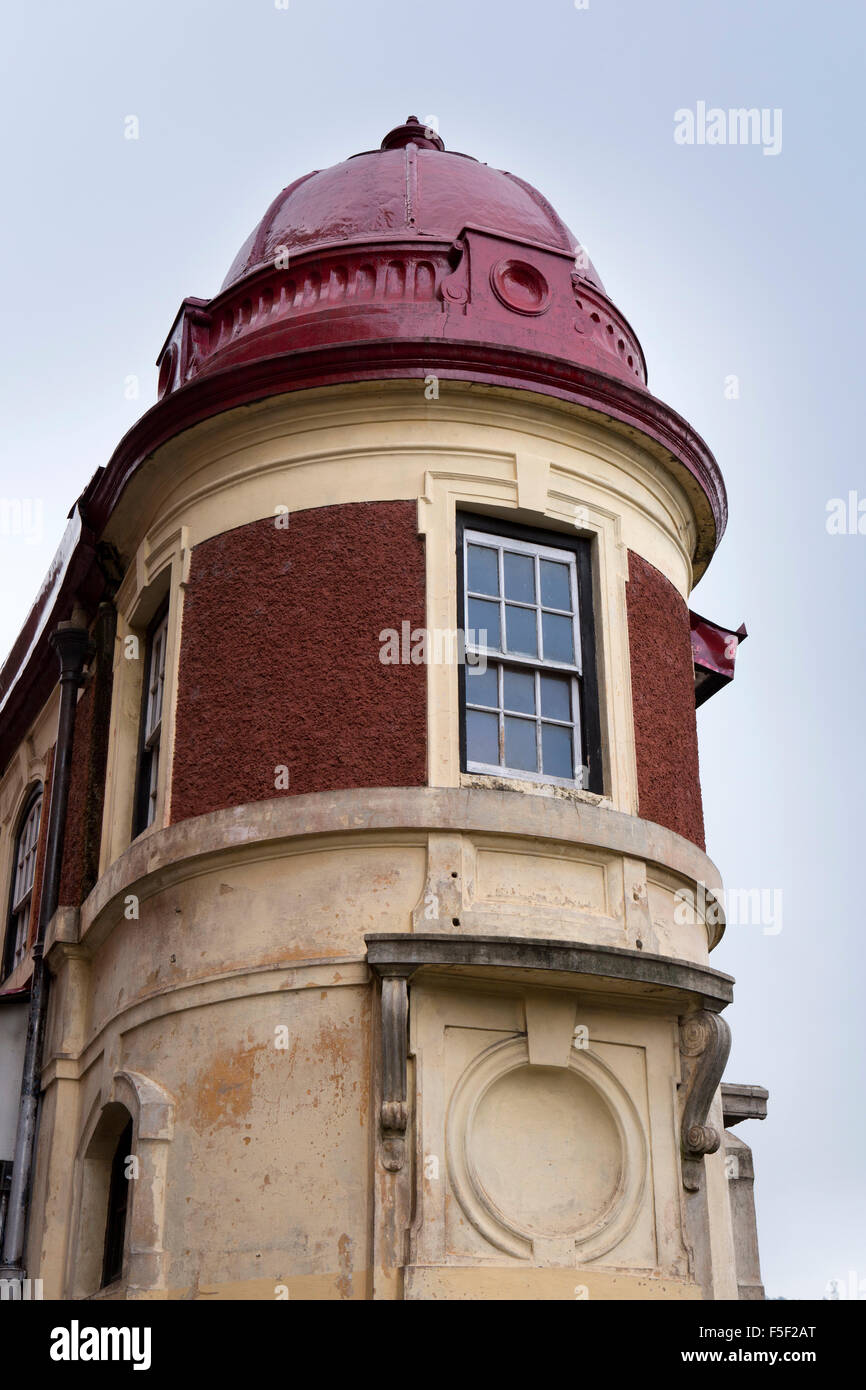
x,y
526,458
252,921
215,983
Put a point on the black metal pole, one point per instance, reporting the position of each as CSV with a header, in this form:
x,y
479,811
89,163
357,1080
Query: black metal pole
x,y
72,644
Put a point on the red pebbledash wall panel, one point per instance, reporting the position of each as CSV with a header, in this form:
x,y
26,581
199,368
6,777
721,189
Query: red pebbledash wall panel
x,y
279,660
663,694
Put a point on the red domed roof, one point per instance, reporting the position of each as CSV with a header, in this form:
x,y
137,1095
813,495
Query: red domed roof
x,y
408,262
386,194
407,244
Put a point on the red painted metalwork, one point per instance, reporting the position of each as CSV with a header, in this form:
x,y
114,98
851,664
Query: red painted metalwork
x,y
29,673
714,651
407,242
410,188
404,261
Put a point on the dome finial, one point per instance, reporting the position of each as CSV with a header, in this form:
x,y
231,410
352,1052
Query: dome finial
x,y
412,132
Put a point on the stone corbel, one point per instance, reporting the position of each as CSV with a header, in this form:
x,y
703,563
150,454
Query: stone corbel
x,y
705,1041
394,1109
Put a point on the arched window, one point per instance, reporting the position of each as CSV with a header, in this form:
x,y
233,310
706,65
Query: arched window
x,y
23,871
118,1204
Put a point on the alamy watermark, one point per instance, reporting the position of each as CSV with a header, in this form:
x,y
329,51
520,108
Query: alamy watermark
x,y
854,1289
77,1343
438,646
738,907
21,1290
21,516
846,516
737,126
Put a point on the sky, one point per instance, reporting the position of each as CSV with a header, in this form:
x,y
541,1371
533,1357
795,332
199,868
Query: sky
x,y
741,272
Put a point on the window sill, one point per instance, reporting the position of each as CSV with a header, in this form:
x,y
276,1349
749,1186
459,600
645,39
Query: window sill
x,y
489,781
109,1293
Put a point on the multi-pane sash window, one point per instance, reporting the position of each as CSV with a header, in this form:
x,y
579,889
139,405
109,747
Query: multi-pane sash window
x,y
24,870
148,772
524,667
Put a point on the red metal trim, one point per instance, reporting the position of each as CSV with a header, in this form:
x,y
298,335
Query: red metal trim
x,y
37,671
21,995
628,406
714,650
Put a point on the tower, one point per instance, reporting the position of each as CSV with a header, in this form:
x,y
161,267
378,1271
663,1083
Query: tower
x,y
382,938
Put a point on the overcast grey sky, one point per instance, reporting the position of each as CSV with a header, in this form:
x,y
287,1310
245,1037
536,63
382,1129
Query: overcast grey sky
x,y
726,260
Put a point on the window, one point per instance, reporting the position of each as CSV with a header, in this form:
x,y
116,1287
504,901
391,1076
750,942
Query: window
x,y
528,687
5,1188
151,726
23,871
118,1202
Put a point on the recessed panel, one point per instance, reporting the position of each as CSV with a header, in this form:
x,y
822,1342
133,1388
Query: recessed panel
x,y
546,1151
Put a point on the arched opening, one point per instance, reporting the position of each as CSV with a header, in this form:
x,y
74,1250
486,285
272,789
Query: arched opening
x,y
106,1201
118,1205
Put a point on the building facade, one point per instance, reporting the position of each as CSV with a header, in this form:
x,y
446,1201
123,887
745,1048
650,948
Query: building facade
x,y
358,901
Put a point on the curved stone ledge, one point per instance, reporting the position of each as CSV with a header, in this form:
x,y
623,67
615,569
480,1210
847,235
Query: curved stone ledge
x,y
183,850
81,1052
625,407
636,971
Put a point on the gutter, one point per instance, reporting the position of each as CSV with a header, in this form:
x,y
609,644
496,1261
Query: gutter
x,y
40,613
27,676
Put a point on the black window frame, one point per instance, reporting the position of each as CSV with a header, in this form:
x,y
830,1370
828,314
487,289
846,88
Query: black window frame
x,y
590,715
37,793
144,754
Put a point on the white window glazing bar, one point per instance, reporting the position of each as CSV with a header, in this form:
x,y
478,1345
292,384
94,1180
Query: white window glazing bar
x,y
501,657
